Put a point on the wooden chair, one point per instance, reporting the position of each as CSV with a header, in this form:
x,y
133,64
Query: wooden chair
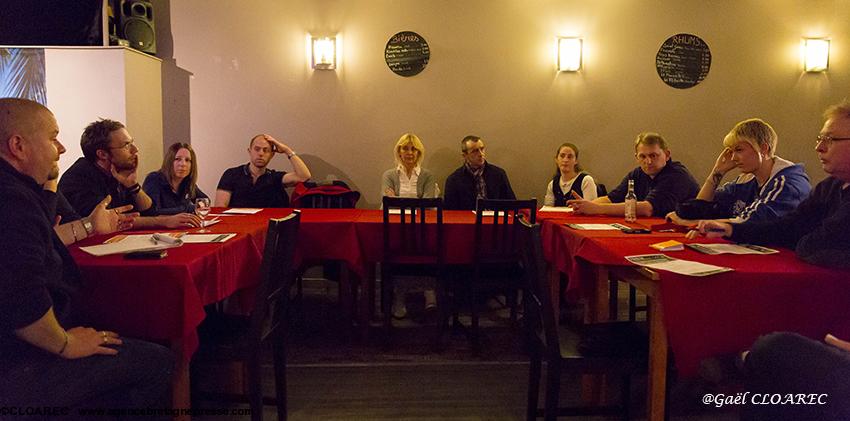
x,y
496,255
412,246
243,339
567,351
334,195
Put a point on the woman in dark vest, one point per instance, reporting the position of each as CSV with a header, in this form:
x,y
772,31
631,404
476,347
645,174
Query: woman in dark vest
x,y
568,178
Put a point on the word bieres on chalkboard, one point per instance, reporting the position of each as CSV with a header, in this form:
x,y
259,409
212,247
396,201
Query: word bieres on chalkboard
x,y
683,61
407,53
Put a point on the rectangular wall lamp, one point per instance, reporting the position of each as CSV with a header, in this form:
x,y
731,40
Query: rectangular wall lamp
x,y
324,53
569,54
815,54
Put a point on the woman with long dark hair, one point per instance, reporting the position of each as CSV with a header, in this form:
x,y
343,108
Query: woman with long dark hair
x,y
173,187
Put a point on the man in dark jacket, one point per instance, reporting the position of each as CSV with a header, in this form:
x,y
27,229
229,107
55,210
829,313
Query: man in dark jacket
x,y
476,178
660,183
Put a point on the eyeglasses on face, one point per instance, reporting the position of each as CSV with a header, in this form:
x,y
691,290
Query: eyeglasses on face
x,y
827,139
127,146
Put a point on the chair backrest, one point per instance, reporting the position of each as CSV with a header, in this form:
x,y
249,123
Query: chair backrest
x,y
276,276
496,228
407,235
539,308
601,191
335,195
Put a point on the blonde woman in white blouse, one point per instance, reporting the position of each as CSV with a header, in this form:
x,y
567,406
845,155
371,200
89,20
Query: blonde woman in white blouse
x,y
409,179
568,178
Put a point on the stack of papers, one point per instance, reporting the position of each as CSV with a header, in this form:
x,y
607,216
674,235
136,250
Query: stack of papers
x,y
598,227
130,243
682,267
671,245
731,249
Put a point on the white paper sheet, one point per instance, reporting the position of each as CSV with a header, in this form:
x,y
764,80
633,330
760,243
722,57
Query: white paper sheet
x,y
243,211
128,243
556,209
682,267
207,238
211,222
597,227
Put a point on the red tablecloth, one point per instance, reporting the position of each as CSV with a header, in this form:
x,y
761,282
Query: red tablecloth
x,y
721,313
163,300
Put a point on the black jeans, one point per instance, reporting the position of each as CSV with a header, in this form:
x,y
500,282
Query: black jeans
x,y
788,367
137,377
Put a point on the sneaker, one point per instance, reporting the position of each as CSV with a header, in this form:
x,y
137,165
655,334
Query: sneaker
x,y
399,310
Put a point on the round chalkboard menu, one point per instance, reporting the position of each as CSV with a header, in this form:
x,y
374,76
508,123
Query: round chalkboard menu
x,y
407,53
683,61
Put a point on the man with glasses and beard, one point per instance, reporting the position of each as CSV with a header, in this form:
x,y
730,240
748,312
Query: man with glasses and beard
x,y
660,183
108,168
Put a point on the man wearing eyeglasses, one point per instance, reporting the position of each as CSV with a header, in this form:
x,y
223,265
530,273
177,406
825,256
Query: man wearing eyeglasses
x,y
819,231
108,168
660,183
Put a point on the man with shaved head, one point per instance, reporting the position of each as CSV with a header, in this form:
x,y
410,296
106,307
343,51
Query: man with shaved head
x,y
44,360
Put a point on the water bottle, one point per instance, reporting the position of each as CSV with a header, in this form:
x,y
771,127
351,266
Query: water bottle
x,y
631,203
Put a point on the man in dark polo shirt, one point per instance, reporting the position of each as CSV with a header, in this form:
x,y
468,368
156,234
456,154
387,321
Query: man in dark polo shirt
x,y
45,362
476,178
254,185
660,183
108,168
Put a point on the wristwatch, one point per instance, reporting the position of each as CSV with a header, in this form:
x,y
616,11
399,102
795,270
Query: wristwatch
x,y
291,154
87,225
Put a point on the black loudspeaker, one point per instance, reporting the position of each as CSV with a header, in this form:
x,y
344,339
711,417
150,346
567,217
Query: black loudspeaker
x,y
135,24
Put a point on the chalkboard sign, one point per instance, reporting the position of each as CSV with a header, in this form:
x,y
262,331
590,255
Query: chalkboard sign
x,y
683,61
407,53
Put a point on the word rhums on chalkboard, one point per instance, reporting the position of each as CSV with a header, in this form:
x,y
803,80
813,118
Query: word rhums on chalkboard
x,y
407,53
683,61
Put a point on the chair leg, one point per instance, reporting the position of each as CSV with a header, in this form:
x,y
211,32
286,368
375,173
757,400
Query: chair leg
x,y
534,368
280,379
553,390
255,387
512,298
613,290
625,396
387,286
632,303
473,314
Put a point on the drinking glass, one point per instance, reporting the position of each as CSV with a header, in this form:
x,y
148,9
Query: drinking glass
x,y
202,209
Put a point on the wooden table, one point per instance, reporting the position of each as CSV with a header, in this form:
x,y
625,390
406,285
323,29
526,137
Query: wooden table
x,y
700,317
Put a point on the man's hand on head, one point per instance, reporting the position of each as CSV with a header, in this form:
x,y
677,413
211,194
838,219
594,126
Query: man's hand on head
x,y
277,146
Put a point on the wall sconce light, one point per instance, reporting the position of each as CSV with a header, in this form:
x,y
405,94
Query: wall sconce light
x,y
815,54
324,53
569,54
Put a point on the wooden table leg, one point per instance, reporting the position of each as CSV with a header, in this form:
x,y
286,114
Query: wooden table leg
x,y
180,386
656,395
593,386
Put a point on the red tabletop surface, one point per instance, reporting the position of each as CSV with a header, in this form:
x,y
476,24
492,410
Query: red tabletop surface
x,y
721,313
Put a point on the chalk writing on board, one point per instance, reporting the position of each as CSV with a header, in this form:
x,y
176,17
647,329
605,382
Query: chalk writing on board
x,y
407,53
683,61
